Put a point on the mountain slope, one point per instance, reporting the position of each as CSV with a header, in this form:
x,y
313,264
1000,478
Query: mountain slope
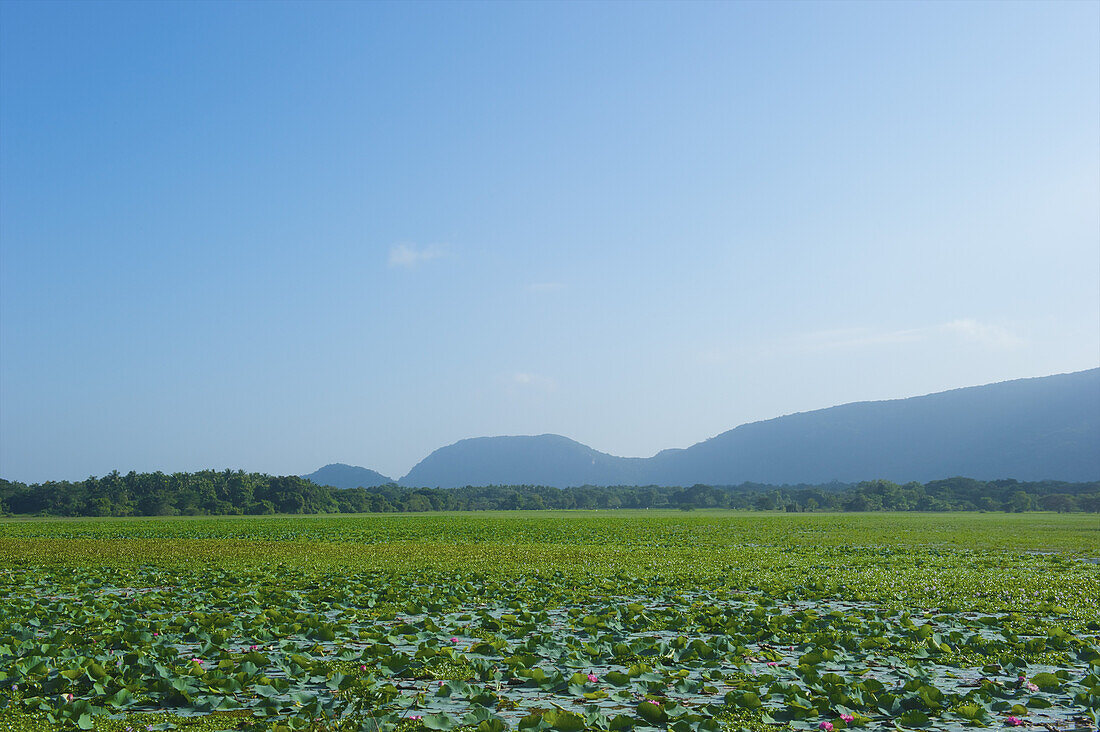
x,y
534,460
1029,429
339,475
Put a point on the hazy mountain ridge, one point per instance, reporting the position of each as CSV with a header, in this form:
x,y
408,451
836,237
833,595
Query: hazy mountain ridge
x,y
339,475
1028,429
535,460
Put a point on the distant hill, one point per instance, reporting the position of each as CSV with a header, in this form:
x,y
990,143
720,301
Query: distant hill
x,y
1028,429
339,475
540,460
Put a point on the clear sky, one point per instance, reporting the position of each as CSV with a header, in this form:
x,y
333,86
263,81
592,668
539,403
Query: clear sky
x,y
272,236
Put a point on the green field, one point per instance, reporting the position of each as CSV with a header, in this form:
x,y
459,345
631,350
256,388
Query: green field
x,y
551,620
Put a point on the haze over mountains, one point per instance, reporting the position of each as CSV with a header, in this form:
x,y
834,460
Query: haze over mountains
x,y
1028,429
340,475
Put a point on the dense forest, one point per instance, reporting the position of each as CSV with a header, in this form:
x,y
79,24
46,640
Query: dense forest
x,y
211,492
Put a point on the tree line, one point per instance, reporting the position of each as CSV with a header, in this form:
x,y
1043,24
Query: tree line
x,y
235,492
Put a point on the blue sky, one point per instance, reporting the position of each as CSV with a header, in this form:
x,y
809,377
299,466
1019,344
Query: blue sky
x,y
272,236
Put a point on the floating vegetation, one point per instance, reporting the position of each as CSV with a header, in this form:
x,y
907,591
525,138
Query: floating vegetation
x,y
655,622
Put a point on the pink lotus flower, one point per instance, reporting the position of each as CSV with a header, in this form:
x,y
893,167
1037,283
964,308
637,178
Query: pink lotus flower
x,y
593,678
1032,687
773,663
454,640
827,726
848,718
416,716
1014,721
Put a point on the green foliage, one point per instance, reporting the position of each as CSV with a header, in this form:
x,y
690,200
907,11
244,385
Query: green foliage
x,y
238,493
548,621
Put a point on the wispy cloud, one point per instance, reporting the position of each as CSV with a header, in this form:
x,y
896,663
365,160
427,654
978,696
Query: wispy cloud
x,y
967,330
954,333
984,333
409,255
840,338
545,287
527,380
